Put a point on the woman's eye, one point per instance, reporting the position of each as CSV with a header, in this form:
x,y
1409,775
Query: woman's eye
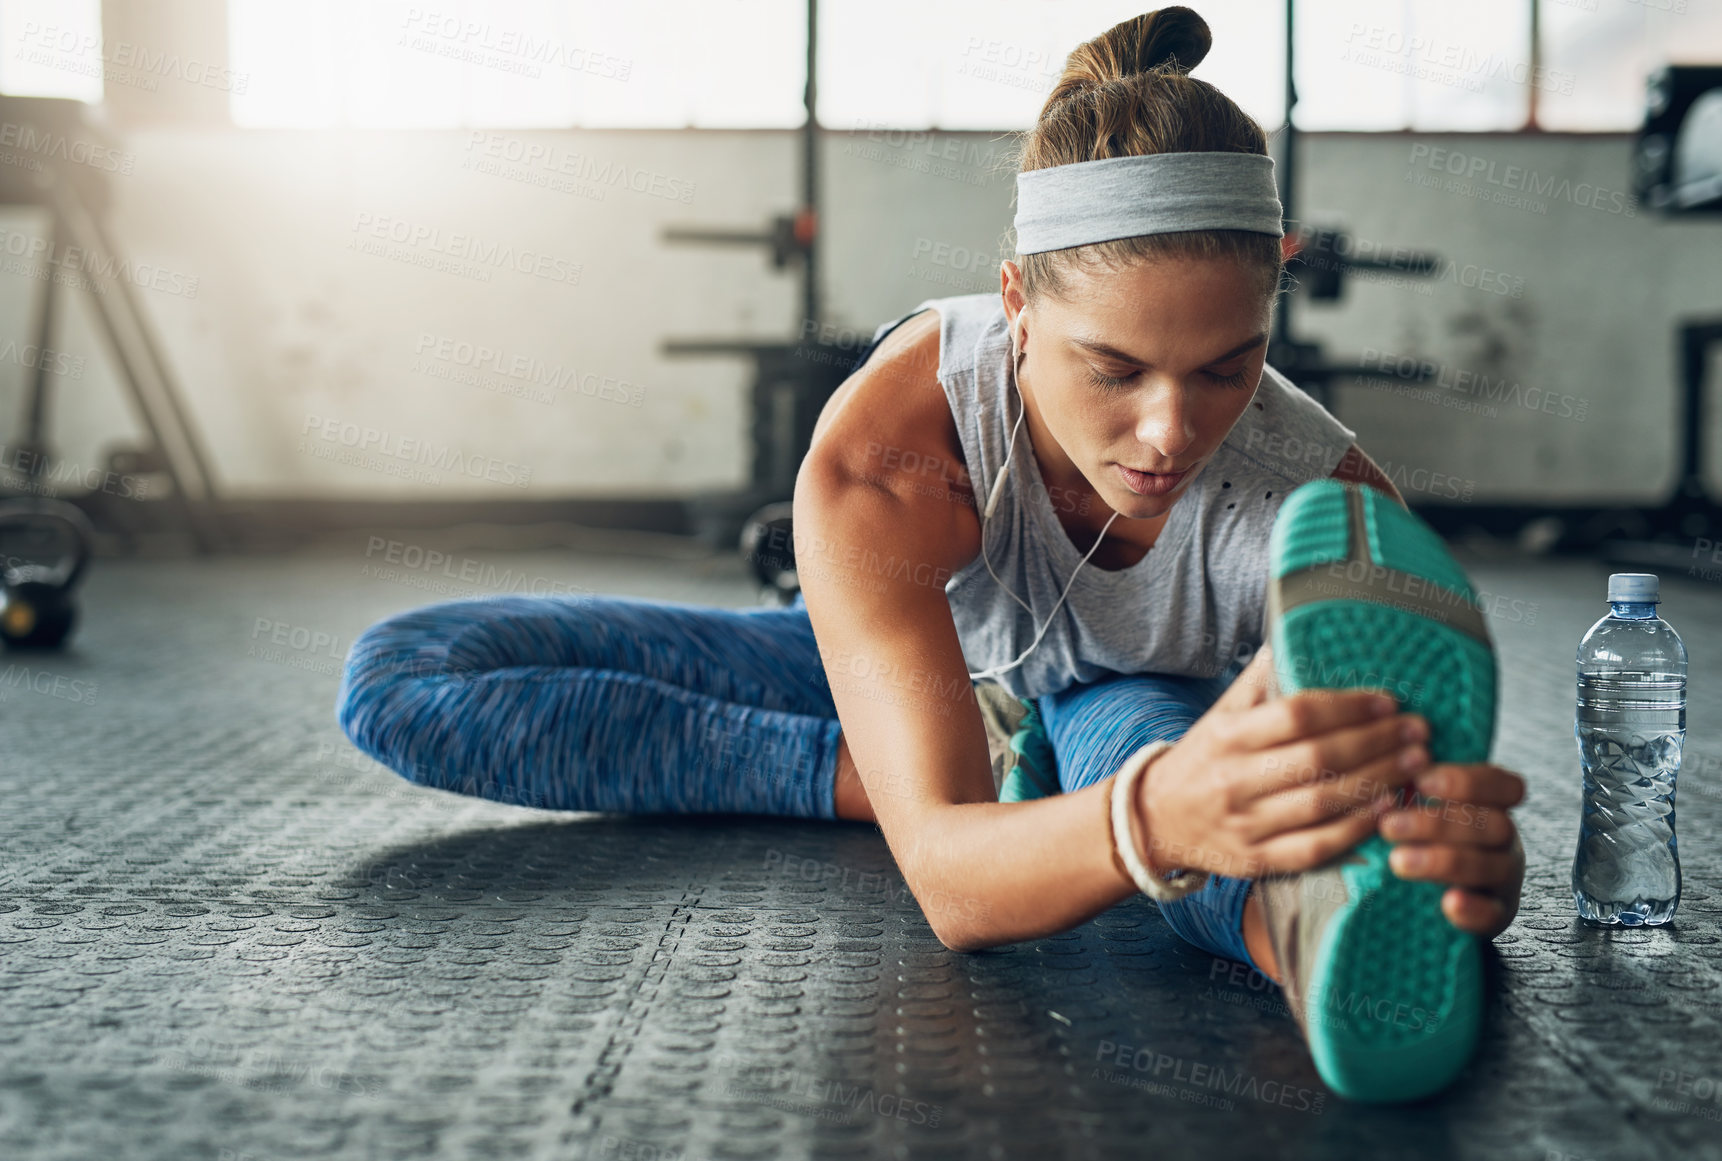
x,y
1100,380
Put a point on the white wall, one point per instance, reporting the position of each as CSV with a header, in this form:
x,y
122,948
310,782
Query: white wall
x,y
288,321
1602,291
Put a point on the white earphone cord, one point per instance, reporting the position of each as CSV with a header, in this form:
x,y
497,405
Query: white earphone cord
x,y
986,516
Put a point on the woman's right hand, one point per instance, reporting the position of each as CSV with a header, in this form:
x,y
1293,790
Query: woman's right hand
x,y
1262,785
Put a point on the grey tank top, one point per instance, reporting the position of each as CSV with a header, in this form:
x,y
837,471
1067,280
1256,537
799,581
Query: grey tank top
x,y
1193,605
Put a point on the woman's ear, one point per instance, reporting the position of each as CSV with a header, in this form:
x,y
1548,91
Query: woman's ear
x,y
1010,289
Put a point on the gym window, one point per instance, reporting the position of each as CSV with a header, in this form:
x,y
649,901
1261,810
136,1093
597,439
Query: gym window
x,y
1363,65
450,64
52,48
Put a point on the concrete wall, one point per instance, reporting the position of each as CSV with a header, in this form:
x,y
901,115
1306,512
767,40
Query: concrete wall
x,y
277,302
1594,291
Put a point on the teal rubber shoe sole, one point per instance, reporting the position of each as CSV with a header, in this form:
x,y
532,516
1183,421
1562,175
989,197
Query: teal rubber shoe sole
x,y
1363,594
1034,774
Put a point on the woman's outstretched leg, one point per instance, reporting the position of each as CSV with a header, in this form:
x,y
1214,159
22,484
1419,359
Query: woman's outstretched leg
x,y
1095,726
599,703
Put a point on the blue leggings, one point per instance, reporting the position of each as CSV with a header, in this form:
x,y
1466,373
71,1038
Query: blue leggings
x,y
635,706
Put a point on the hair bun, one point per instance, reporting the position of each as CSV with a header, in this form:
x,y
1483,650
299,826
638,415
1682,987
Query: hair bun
x,y
1174,39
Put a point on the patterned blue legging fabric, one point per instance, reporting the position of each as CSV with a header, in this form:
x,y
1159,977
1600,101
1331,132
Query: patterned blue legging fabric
x,y
637,706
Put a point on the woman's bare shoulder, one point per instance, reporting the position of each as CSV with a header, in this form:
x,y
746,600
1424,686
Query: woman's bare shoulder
x,y
889,425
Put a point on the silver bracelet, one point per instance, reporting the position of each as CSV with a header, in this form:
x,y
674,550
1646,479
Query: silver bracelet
x,y
1176,884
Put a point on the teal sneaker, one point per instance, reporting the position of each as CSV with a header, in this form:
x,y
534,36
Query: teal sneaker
x,y
1021,752
1034,774
1363,594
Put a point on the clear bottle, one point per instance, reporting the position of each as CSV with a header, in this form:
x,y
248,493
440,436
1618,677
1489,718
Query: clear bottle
x,y
1631,727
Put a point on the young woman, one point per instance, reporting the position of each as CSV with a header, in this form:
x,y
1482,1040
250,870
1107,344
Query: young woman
x,y
1109,423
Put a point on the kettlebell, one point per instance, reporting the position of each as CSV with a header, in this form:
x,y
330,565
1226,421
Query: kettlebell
x,y
45,546
768,547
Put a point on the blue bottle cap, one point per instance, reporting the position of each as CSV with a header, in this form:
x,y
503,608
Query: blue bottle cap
x,y
1639,587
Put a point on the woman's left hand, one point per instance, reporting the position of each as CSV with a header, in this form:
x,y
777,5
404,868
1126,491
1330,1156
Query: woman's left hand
x,y
1464,837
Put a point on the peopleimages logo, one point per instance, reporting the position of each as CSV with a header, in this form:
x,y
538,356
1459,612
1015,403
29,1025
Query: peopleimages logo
x,y
1405,477
552,160
1195,1076
417,452
469,40
395,559
45,474
1471,168
1445,62
57,145
528,369
78,260
824,1098
1478,384
43,358
58,685
462,247
123,58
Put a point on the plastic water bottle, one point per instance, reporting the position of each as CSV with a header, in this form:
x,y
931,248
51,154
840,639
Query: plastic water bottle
x,y
1631,726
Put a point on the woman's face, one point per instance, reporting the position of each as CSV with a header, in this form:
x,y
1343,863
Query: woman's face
x,y
1138,375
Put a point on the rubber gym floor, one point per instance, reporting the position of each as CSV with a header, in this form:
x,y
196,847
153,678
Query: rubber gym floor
x,y
225,934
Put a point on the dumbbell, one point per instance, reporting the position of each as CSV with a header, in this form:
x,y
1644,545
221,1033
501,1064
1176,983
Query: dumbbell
x,y
45,546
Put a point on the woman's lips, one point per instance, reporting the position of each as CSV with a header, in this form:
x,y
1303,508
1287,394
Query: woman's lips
x,y
1150,483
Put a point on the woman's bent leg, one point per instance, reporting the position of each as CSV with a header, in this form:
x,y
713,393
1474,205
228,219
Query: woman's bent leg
x,y
599,703
1094,727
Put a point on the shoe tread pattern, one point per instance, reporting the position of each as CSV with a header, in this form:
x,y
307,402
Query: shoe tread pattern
x,y
1390,949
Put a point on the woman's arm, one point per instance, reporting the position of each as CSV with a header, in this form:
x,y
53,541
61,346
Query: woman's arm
x,y
876,538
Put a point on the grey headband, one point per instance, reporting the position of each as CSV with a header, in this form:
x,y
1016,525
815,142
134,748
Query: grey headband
x,y
1157,193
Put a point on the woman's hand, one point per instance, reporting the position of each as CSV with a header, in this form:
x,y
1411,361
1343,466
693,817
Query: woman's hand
x,y
1247,777
1462,835
1264,784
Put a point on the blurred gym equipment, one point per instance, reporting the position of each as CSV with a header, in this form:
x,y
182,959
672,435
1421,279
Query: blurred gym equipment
x,y
45,548
768,548
1319,260
77,199
1677,159
1677,171
792,379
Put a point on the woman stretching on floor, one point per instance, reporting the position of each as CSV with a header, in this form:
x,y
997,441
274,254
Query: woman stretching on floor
x,y
1114,399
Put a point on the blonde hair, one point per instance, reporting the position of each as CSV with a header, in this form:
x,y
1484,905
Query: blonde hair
x,y
1128,93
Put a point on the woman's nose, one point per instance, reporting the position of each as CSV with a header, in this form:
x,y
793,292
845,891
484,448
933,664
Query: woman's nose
x,y
1167,423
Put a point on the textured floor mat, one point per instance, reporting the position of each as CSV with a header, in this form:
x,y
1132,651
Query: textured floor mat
x,y
224,935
